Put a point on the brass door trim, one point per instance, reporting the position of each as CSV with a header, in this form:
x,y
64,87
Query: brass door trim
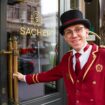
x,y
13,54
4,52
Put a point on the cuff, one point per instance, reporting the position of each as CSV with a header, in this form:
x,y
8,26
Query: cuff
x,y
31,78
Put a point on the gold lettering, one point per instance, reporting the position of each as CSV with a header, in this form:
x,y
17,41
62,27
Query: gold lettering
x,y
37,20
28,31
33,31
45,32
39,32
22,30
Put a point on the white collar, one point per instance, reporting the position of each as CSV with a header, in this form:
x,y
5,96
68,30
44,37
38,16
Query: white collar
x,y
81,51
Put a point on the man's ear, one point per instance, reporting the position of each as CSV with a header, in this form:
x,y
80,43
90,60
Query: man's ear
x,y
87,32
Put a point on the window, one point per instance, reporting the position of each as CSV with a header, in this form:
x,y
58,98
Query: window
x,y
37,42
16,13
28,13
13,12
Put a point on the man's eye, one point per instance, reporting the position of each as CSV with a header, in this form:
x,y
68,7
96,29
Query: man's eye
x,y
78,29
68,32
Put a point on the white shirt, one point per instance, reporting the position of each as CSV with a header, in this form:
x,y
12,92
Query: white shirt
x,y
84,56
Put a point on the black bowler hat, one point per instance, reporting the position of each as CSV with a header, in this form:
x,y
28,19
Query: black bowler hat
x,y
72,17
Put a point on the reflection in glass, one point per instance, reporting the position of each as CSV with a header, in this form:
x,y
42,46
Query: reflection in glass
x,y
35,26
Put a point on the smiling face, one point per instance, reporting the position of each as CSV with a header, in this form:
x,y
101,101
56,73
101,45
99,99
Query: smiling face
x,y
76,36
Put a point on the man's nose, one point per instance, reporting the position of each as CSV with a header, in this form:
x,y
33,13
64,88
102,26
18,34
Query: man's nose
x,y
74,33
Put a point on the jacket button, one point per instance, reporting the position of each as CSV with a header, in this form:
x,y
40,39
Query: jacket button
x,y
77,101
94,82
78,81
91,100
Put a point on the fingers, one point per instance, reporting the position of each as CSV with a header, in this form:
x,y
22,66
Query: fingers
x,y
15,74
19,76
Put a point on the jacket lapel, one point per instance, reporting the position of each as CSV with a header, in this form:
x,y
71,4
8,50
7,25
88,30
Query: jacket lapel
x,y
91,60
71,72
85,69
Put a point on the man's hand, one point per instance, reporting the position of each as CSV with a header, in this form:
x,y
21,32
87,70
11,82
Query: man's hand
x,y
20,76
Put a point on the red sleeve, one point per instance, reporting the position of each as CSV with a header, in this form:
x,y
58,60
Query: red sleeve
x,y
51,75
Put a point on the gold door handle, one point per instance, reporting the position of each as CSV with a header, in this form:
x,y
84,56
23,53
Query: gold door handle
x,y
15,70
13,53
4,52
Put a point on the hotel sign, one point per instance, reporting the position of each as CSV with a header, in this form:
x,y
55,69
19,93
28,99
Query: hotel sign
x,y
37,23
35,31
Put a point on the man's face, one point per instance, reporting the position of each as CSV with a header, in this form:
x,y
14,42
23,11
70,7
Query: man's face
x,y
76,36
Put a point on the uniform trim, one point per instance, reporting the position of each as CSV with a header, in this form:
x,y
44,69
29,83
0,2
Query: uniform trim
x,y
94,57
33,78
69,70
37,78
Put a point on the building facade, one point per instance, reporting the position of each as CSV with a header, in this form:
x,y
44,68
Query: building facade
x,y
30,43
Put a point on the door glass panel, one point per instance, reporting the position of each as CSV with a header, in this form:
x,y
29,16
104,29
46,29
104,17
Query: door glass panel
x,y
35,25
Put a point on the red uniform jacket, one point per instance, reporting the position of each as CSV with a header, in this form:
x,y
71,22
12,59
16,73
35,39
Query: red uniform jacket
x,y
86,89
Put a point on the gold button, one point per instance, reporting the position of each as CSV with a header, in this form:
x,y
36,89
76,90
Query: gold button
x,y
94,82
77,81
77,101
91,100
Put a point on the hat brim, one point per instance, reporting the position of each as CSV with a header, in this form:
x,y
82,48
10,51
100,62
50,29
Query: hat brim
x,y
85,22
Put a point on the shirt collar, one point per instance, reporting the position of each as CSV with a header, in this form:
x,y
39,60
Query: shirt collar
x,y
81,51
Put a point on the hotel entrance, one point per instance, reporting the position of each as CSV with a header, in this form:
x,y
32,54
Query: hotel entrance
x,y
29,43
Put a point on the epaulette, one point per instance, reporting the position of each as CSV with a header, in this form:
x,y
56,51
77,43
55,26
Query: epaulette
x,y
102,46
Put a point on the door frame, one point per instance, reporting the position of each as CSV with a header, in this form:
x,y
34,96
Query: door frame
x,y
3,58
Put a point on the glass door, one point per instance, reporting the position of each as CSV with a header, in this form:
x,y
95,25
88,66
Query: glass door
x,y
34,24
